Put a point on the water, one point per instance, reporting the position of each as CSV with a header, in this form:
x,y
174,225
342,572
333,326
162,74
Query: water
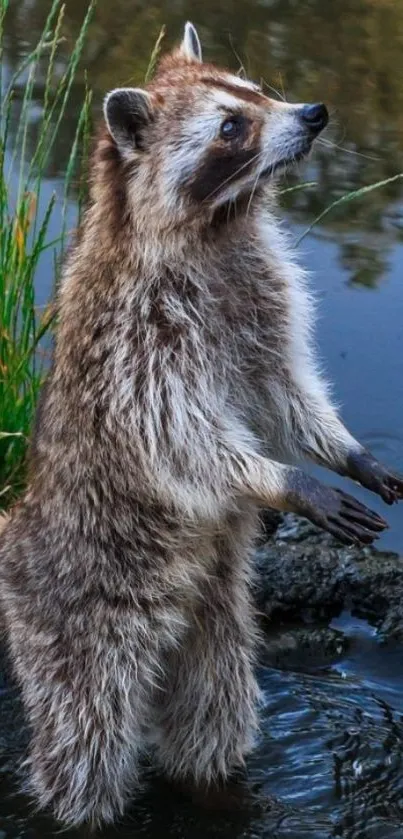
x,y
329,760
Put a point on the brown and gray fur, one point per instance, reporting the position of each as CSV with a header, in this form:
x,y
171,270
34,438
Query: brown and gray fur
x,y
183,383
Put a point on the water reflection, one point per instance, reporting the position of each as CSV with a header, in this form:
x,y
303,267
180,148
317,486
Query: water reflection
x,y
347,52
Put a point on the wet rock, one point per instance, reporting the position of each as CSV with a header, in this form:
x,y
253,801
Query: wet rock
x,y
302,648
305,574
270,521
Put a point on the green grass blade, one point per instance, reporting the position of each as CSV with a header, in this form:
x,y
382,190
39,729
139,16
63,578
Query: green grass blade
x,y
54,45
63,93
154,55
345,199
3,11
85,151
298,187
24,233
73,158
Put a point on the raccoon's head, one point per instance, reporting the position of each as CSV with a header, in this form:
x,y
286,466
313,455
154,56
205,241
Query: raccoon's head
x,y
199,137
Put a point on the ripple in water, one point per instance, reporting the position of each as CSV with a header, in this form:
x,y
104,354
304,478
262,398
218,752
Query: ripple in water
x,y
328,762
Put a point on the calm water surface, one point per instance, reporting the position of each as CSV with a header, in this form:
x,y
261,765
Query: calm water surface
x,y
329,762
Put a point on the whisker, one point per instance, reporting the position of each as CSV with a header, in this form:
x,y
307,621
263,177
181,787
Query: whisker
x,y
273,89
228,212
282,88
343,135
348,151
238,58
232,202
252,193
234,175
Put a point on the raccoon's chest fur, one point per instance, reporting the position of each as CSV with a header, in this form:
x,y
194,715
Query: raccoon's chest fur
x,y
259,314
255,314
252,315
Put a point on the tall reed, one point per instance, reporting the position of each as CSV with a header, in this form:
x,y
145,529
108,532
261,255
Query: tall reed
x,y
25,226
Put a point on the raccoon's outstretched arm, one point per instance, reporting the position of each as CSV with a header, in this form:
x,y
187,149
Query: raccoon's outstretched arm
x,y
288,488
314,430
198,455
225,465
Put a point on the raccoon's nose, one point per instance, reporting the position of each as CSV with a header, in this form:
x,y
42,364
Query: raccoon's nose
x,y
316,117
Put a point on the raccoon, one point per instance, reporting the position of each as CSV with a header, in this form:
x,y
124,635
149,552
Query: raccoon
x,y
183,386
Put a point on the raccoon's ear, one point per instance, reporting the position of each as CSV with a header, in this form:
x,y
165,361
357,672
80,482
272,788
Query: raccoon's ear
x,y
191,46
127,111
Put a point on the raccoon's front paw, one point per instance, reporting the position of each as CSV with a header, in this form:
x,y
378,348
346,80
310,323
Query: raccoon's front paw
x,y
366,469
333,510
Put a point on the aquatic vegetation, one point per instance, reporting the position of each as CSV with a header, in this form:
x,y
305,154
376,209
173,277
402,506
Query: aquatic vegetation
x,y
24,224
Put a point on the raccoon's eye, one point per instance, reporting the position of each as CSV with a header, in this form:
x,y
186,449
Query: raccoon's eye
x,y
232,127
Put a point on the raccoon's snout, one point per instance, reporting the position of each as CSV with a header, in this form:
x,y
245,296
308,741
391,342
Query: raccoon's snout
x,y
315,117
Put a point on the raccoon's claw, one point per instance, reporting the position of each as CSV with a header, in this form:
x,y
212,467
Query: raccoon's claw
x,y
364,468
354,523
391,488
333,510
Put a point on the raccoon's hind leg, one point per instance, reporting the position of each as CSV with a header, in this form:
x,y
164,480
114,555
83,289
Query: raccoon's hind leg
x,y
207,717
86,703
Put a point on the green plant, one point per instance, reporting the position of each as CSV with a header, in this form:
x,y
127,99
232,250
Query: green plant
x,y
24,228
154,55
346,199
